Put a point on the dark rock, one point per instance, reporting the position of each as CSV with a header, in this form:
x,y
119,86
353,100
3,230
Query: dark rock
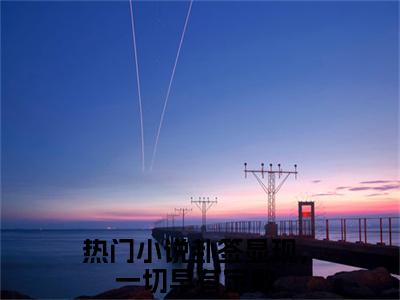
x,y
318,295
318,283
7,294
280,295
125,292
301,284
390,294
308,295
357,292
253,295
195,291
362,283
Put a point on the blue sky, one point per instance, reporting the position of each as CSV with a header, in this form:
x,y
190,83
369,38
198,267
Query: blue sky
x,y
312,83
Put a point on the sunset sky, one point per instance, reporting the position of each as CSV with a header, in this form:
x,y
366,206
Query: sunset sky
x,y
308,83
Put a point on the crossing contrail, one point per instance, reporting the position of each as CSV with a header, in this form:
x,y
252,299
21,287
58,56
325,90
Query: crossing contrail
x,y
137,80
169,85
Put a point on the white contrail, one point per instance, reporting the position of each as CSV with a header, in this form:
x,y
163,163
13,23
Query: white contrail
x,y
137,80
170,84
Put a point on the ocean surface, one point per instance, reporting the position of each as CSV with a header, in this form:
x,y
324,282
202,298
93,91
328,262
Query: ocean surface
x,y
49,263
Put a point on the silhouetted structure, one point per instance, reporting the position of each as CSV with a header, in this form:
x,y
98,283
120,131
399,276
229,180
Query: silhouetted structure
x,y
306,219
204,204
271,190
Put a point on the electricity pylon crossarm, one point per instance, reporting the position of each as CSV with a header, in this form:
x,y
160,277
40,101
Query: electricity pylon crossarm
x,y
183,212
271,189
204,204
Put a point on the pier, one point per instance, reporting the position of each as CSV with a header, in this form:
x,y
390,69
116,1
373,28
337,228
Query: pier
x,y
367,243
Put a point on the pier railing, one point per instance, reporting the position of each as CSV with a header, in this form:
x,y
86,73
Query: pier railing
x,y
253,227
373,230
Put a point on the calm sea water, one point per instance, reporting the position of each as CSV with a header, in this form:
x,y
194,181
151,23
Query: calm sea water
x,y
49,263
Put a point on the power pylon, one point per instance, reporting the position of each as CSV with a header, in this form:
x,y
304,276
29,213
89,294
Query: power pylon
x,y
271,190
183,211
172,216
204,204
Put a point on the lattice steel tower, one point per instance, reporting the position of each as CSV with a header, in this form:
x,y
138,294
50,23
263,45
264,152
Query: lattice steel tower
x,y
204,204
271,190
